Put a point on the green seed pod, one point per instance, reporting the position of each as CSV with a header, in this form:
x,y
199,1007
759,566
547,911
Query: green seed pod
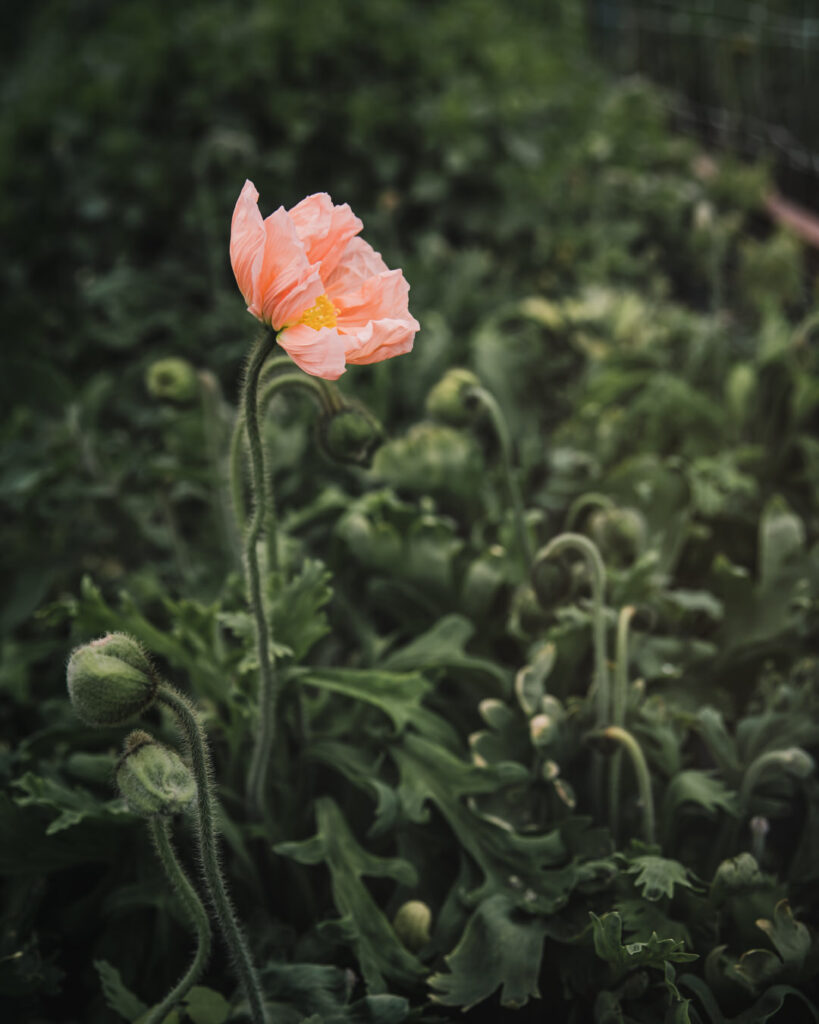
x,y
351,435
620,533
412,923
152,778
449,400
110,680
173,380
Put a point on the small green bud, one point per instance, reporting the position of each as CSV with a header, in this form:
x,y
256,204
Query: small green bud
x,y
551,581
737,875
350,435
172,379
152,778
542,730
620,533
412,923
110,680
449,400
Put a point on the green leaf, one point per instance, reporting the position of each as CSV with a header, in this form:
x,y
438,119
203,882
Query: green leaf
x,y
500,947
72,804
657,876
120,999
704,789
790,938
608,944
299,621
443,647
379,952
206,1006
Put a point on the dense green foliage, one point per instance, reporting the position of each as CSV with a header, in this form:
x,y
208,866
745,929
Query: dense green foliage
x,y
648,338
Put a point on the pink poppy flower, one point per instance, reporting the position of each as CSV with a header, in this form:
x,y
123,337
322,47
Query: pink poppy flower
x,y
328,294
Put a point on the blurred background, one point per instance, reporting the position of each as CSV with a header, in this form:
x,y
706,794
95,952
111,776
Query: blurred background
x,y
495,151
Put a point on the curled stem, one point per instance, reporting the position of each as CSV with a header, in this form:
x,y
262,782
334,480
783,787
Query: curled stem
x,y
584,501
597,572
490,403
161,835
196,742
619,699
638,760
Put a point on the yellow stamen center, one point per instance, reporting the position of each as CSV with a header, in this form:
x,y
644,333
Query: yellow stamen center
x,y
321,314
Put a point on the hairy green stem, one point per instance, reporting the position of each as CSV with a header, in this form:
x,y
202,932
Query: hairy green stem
x,y
619,699
638,760
161,835
257,780
196,742
501,427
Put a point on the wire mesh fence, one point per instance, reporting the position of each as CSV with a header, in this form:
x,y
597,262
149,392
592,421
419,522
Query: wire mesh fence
x,y
740,75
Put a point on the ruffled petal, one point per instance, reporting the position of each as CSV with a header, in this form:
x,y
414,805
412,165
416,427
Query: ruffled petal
x,y
320,353
325,230
381,339
384,296
246,238
285,283
359,262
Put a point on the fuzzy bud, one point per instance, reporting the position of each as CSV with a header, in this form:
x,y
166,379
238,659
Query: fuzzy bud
x,y
350,435
172,380
412,923
152,778
110,680
620,533
449,400
737,875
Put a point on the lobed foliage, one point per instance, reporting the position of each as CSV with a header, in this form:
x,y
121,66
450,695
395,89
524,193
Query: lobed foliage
x,y
647,336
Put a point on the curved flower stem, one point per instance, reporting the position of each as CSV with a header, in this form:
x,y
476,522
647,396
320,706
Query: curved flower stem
x,y
597,572
584,501
601,668
635,752
196,742
161,835
490,403
619,699
268,690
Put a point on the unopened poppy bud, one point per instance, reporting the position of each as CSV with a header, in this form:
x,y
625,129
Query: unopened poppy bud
x,y
412,923
110,680
449,401
620,533
350,435
551,581
152,778
173,380
739,874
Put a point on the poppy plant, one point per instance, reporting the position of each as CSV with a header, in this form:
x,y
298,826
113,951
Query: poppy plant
x,y
326,293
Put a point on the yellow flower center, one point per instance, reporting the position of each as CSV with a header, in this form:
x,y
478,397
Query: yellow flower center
x,y
321,314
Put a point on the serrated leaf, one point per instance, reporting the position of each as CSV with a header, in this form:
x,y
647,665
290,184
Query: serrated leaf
x,y
379,952
120,999
790,938
704,789
657,876
442,647
608,944
500,948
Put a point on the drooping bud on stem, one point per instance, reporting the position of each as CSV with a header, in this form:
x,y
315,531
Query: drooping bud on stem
x,y
152,778
111,680
350,434
450,400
